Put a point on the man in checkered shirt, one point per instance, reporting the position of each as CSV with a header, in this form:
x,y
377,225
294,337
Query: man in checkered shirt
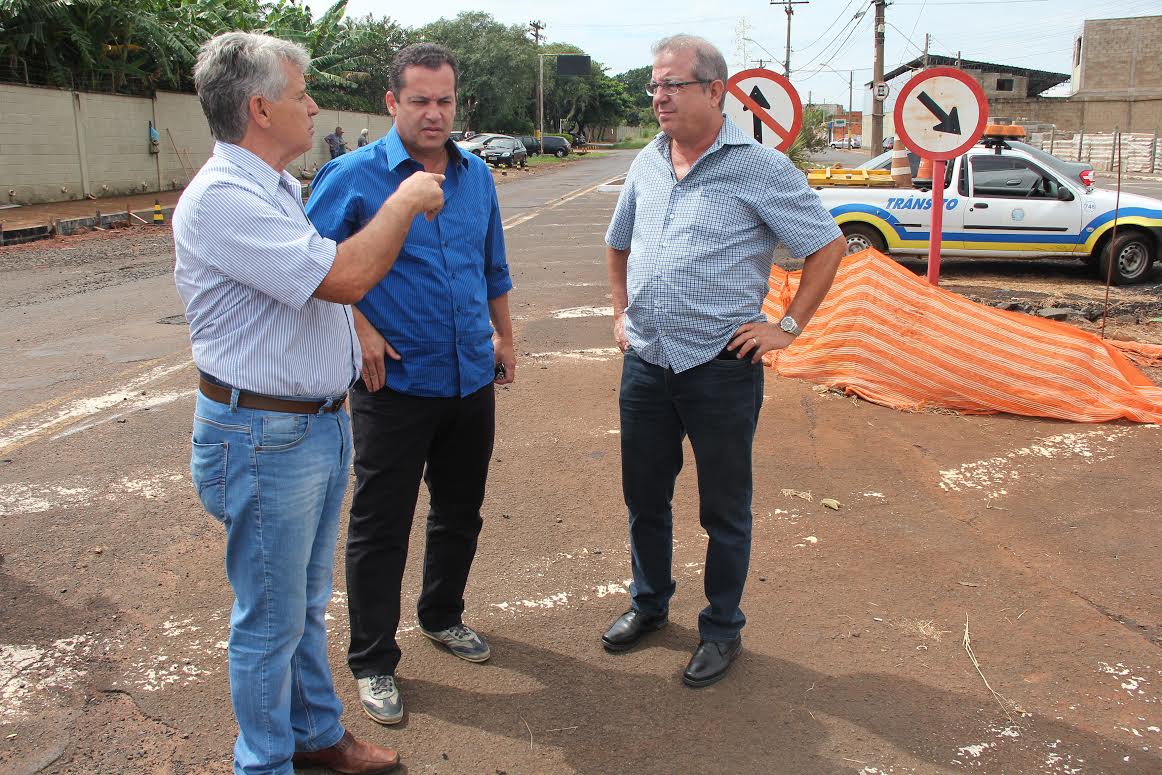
x,y
689,251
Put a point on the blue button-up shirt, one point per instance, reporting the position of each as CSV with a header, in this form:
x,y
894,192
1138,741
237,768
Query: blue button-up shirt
x,y
432,307
701,249
248,262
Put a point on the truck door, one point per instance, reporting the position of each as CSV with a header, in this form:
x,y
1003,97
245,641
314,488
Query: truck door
x,y
1017,207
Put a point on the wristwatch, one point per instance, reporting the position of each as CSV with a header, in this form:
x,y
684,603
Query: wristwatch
x,y
789,325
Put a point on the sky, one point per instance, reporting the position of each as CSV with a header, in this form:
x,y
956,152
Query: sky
x,y
826,36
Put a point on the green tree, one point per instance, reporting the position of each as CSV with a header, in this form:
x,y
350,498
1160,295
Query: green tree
x,y
497,69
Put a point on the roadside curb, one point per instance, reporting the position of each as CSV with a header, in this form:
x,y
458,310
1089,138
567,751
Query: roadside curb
x,y
1130,176
67,227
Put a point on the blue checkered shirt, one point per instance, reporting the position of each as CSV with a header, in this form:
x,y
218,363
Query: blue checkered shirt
x,y
700,250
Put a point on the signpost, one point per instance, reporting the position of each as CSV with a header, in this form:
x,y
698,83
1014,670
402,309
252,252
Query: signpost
x,y
939,115
766,104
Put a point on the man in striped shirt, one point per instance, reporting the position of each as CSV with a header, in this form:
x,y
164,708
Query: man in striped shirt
x,y
436,336
689,253
276,349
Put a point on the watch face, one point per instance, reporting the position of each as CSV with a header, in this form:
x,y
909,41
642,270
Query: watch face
x,y
788,324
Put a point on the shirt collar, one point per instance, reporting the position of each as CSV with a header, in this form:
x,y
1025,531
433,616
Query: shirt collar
x,y
728,134
267,177
397,154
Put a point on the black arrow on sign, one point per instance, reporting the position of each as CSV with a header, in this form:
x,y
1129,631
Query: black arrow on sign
x,y
949,122
756,94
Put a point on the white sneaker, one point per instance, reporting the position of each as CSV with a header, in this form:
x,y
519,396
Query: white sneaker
x,y
381,700
462,641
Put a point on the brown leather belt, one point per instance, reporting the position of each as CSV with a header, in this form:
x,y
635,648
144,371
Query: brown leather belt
x,y
266,403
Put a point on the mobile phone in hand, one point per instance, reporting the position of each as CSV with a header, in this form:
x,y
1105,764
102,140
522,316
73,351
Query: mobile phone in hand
x,y
499,373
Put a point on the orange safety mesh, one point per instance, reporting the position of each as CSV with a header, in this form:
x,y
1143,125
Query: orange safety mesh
x,y
888,336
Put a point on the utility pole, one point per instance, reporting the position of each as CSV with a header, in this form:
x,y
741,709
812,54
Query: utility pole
x,y
877,137
788,6
760,62
926,36
536,26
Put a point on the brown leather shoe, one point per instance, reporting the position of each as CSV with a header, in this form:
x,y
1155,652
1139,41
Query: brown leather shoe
x,y
350,757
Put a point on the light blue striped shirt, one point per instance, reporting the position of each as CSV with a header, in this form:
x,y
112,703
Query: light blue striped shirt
x,y
248,262
700,250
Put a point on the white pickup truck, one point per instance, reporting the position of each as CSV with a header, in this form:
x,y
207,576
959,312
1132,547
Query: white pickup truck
x,y
1005,202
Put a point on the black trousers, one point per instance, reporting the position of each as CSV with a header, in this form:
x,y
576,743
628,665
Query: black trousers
x,y
397,440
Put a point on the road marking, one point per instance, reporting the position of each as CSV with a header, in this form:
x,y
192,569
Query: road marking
x,y
993,474
553,204
22,430
581,312
588,354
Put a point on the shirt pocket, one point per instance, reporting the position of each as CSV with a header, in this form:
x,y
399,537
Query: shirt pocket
x,y
721,217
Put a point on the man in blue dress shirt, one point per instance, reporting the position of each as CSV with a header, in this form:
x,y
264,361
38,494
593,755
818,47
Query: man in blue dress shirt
x,y
276,349
436,336
690,248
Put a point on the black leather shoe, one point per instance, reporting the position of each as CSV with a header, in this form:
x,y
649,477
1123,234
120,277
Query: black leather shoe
x,y
710,662
629,628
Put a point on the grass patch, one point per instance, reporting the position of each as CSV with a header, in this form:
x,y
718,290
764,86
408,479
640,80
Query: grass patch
x,y
631,143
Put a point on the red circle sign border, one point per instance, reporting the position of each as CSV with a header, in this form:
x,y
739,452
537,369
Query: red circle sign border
x,y
785,84
927,75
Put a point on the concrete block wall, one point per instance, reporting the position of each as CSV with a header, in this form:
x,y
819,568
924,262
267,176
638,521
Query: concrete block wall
x,y
116,143
38,146
352,123
57,145
185,143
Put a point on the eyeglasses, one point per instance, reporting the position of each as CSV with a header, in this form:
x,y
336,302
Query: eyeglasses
x,y
670,87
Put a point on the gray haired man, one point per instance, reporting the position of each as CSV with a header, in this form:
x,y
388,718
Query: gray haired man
x,y
689,253
276,350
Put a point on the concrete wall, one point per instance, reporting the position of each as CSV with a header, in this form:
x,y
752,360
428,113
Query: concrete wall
x,y
38,146
1120,57
58,145
1091,113
116,139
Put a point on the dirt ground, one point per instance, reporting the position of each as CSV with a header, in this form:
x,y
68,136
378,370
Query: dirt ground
x,y
1031,546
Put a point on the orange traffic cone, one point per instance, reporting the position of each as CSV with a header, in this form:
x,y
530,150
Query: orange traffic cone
x,y
901,168
923,177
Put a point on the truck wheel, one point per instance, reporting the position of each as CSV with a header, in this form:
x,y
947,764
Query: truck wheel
x,y
861,237
1133,255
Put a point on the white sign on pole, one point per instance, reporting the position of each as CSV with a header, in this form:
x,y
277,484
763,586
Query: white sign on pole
x,y
765,105
941,113
881,91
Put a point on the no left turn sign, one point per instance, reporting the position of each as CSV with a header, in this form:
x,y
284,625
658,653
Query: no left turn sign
x,y
766,106
941,113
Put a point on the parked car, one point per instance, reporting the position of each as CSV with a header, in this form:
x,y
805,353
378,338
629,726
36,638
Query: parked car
x,y
1075,170
558,146
477,142
456,136
842,143
508,151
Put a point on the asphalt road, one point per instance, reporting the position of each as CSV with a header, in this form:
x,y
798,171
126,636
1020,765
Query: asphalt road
x,y
1016,551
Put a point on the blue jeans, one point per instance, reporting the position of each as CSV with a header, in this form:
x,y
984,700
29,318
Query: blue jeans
x,y
717,404
276,481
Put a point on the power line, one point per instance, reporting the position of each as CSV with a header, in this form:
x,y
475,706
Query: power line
x,y
859,23
827,29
